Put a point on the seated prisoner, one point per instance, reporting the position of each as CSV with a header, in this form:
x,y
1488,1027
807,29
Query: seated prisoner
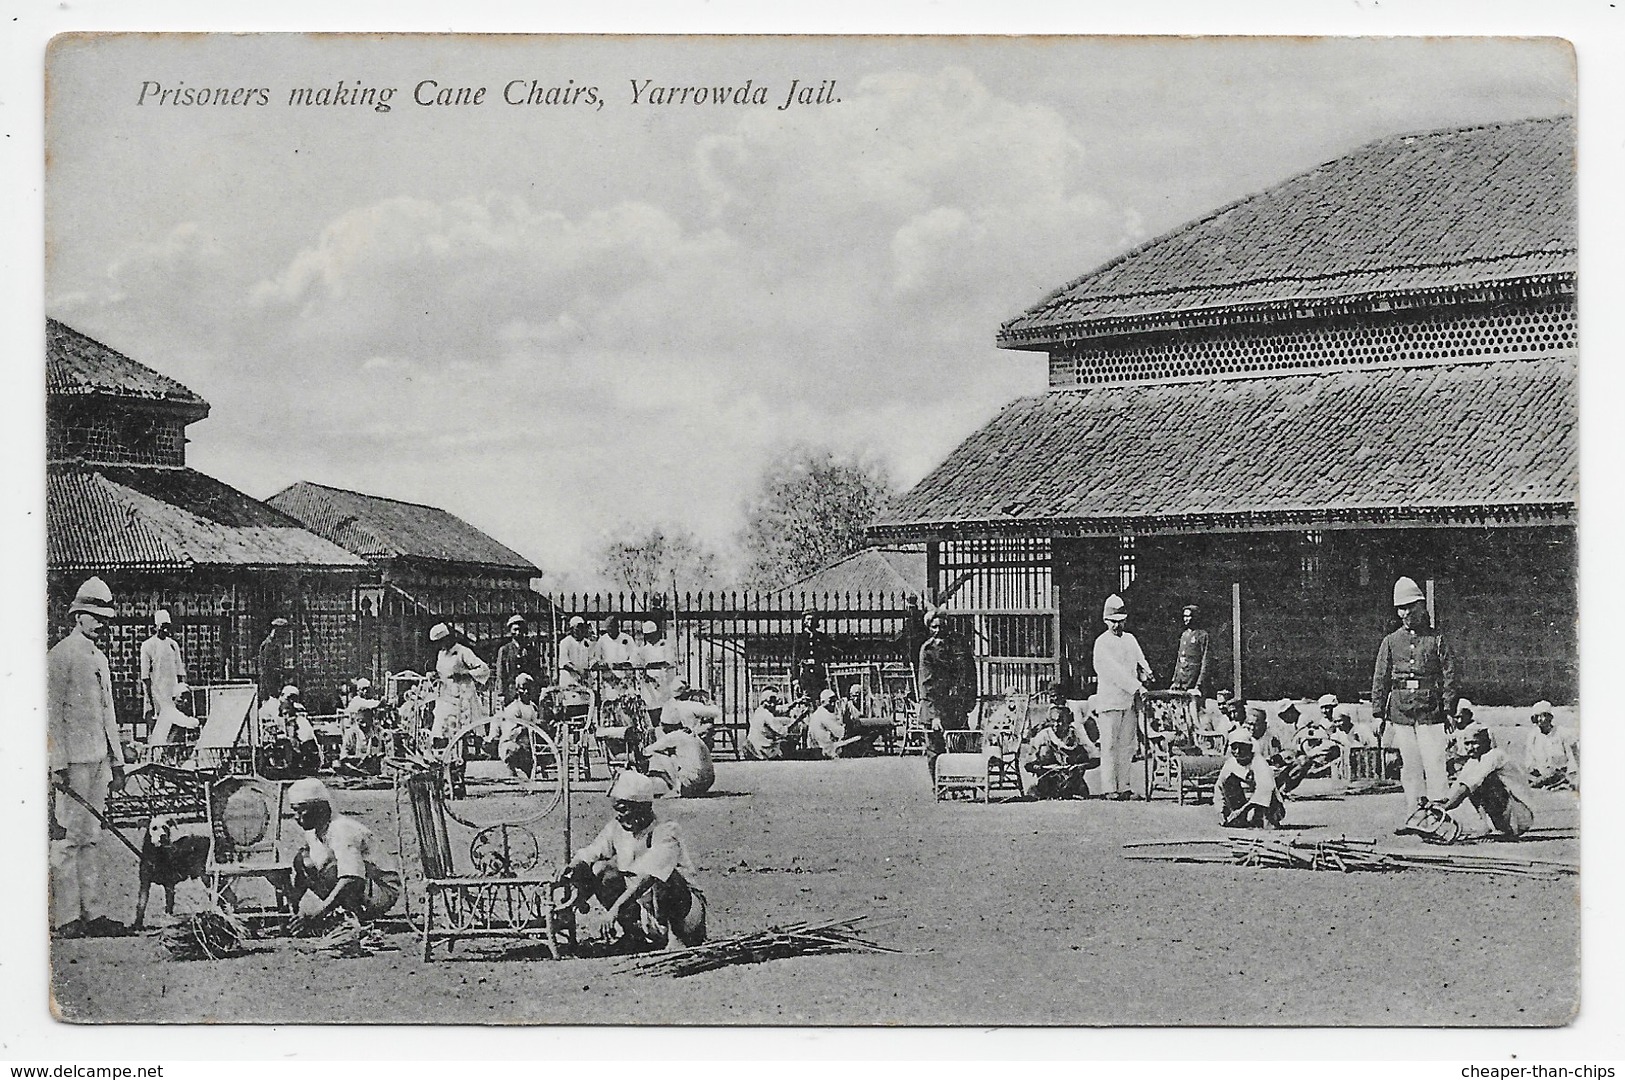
x,y
681,759
1553,756
1245,788
1486,796
1059,757
336,874
638,870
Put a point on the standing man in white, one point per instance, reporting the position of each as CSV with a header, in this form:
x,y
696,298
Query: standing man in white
x,y
87,757
1121,672
163,669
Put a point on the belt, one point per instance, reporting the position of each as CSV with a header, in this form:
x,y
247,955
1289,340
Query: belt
x,y
1415,684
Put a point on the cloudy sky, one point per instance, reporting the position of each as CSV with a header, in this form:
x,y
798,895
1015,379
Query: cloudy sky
x,y
553,320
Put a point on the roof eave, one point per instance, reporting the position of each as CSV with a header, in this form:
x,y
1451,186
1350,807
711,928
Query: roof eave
x,y
1386,517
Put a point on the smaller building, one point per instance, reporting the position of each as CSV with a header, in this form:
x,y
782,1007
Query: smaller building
x,y
425,566
885,571
121,503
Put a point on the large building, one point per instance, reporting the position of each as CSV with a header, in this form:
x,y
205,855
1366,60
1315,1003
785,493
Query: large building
x,y
121,503
425,566
1365,371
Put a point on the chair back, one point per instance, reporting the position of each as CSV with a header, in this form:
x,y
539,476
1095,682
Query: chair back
x,y
247,816
964,742
224,733
427,800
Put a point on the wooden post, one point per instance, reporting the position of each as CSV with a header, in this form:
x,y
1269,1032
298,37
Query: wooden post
x,y
1433,607
1060,653
1235,638
933,565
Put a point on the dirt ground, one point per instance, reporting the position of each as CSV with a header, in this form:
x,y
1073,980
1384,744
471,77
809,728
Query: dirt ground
x,y
1012,913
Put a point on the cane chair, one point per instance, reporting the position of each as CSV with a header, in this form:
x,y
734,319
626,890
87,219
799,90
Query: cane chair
x,y
963,766
1004,722
503,896
249,821
151,789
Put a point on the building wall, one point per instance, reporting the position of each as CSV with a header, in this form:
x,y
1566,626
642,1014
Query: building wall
x,y
220,619
1313,611
114,435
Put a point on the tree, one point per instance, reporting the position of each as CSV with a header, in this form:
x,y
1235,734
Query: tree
x,y
808,510
647,558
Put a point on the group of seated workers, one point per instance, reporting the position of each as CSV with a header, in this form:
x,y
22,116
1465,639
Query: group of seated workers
x,y
836,727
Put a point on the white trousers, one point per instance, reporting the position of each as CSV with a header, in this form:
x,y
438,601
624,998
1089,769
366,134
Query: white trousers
x,y
1421,768
1117,742
76,859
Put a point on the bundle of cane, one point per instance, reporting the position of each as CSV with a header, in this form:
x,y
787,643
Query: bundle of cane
x,y
774,943
1344,855
211,935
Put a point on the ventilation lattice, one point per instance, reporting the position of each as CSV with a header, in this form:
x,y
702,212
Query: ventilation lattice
x,y
1546,328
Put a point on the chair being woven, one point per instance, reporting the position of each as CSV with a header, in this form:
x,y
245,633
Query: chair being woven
x,y
496,901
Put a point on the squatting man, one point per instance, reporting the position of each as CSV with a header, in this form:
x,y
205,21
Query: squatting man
x,y
639,871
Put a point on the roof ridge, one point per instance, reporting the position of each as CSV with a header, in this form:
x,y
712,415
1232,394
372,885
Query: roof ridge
x,y
366,495
1198,222
176,390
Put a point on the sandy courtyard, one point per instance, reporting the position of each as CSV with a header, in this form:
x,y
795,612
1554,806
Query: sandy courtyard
x,y
1020,913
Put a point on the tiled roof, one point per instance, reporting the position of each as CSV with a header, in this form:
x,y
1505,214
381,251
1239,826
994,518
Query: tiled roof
x,y
78,365
1335,445
1409,213
872,570
380,528
146,518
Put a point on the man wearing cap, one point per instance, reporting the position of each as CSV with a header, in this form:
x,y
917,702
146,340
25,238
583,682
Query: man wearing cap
x,y
638,869
513,746
1459,728
767,736
1058,758
1493,791
575,654
518,656
947,686
337,872
653,661
825,728
1191,663
810,651
458,704
686,711
1245,787
1413,689
87,756
612,657
681,759
162,667
273,674
358,745
1121,672
1552,756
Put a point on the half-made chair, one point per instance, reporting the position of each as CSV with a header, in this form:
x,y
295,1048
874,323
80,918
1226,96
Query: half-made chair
x,y
963,766
501,898
252,840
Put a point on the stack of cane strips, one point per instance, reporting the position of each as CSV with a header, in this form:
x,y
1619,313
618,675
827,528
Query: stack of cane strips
x,y
1344,855
211,935
774,943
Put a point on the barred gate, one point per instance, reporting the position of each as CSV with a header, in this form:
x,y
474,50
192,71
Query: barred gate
x,y
723,640
1003,594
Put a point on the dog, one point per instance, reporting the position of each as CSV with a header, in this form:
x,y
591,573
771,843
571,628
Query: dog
x,y
168,860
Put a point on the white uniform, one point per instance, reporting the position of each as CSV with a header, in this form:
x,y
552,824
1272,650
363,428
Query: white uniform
x,y
82,740
656,677
1547,754
577,654
458,704
614,655
1120,669
163,669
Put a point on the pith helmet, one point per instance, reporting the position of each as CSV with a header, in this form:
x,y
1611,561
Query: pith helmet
x,y
1116,610
1407,592
93,597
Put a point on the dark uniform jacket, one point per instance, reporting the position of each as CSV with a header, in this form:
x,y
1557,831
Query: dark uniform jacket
x,y
1190,669
809,652
1415,680
272,674
947,683
512,659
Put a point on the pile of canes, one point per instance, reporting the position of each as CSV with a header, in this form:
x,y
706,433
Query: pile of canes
x,y
1343,855
774,943
206,935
